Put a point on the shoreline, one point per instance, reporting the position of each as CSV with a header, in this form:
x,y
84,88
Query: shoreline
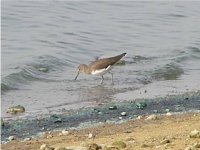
x,y
136,134
110,113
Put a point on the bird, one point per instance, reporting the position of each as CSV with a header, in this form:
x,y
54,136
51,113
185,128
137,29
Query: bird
x,y
100,66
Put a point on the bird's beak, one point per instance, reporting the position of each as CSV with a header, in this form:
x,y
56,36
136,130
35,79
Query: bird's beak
x,y
77,75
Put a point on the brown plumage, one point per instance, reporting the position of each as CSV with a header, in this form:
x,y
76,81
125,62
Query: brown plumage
x,y
100,66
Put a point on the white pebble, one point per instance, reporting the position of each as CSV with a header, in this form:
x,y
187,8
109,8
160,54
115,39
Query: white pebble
x,y
11,138
152,117
65,132
123,113
90,136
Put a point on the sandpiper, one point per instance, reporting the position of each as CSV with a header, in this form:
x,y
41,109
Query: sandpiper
x,y
100,66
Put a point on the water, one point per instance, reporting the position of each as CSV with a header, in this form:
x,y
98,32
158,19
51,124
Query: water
x,y
43,42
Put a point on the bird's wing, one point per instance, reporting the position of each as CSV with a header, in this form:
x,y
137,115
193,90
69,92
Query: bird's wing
x,y
105,62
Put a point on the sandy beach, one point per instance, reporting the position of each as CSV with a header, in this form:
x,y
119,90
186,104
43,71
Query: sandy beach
x,y
162,132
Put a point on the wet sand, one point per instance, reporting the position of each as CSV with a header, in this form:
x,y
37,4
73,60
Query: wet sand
x,y
137,134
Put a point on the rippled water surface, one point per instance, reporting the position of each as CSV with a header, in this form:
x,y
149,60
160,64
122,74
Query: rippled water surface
x,y
43,42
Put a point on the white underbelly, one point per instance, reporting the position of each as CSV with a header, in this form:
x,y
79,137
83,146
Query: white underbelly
x,y
101,71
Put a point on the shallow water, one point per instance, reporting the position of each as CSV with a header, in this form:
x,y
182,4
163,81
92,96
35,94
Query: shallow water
x,y
43,42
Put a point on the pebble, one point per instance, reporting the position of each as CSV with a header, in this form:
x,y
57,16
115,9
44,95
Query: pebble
x,y
195,134
65,132
190,148
144,145
43,69
167,110
27,139
60,148
197,145
139,117
119,144
168,114
10,138
152,117
90,136
46,147
93,146
16,109
2,123
141,105
49,136
165,141
123,113
112,107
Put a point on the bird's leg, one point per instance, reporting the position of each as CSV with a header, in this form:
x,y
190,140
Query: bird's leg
x,y
102,79
111,77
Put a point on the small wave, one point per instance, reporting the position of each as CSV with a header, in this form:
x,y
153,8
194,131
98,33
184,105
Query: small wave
x,y
168,72
35,71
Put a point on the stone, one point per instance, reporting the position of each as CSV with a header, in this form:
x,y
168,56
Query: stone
x,y
139,117
42,69
152,117
10,138
165,141
90,136
65,132
123,113
197,145
167,110
141,105
195,134
119,144
27,139
144,145
190,148
46,147
60,148
93,146
112,107
16,109
2,123
168,114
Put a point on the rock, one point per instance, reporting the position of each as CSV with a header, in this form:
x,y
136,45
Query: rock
x,y
155,111
123,113
139,117
65,132
2,123
119,144
141,105
165,141
42,69
90,136
144,145
195,134
197,145
60,148
10,138
46,147
111,148
152,117
59,120
168,114
190,148
167,110
16,109
93,146
112,107
120,118
27,139
49,136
